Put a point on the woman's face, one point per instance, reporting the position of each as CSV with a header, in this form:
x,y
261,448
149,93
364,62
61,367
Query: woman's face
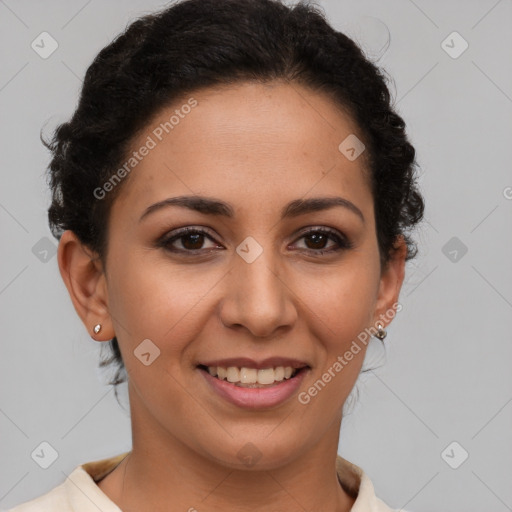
x,y
263,273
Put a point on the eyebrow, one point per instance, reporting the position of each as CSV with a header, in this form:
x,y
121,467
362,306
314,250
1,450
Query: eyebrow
x,y
211,206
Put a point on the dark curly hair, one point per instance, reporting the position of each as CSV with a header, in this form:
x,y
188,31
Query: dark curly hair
x,y
193,44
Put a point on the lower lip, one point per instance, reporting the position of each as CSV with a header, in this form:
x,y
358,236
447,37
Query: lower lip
x,y
255,398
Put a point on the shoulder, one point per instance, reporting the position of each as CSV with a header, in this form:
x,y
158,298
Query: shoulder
x,y
53,500
357,484
78,493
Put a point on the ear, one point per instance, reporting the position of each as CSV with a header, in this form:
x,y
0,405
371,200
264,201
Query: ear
x,y
84,278
392,277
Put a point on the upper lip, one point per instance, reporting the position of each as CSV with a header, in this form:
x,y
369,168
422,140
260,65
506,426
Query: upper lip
x,y
246,362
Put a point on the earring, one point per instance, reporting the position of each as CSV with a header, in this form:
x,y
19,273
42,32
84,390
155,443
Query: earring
x,y
97,328
381,333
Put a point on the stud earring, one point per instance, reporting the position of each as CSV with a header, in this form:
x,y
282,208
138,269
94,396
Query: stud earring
x,y
97,328
381,333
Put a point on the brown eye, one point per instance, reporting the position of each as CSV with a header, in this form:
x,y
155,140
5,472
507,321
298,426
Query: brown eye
x,y
190,239
316,241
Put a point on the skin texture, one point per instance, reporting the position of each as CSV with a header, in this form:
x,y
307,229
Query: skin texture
x,y
256,147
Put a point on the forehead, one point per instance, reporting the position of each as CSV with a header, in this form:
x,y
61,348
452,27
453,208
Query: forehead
x,y
249,143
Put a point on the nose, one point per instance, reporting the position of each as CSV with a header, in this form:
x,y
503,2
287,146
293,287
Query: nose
x,y
258,298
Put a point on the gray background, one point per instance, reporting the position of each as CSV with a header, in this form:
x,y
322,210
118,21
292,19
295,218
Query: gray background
x,y
447,376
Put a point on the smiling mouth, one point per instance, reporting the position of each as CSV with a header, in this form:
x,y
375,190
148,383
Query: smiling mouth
x,y
253,378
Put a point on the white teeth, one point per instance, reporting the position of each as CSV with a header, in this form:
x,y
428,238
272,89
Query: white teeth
x,y
266,376
249,375
244,375
233,374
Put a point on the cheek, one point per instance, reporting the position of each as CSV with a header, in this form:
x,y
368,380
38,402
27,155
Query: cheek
x,y
151,299
342,303
337,315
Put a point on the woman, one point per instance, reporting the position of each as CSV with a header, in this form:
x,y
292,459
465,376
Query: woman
x,y
232,197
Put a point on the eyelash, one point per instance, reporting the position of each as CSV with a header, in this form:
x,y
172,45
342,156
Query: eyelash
x,y
342,242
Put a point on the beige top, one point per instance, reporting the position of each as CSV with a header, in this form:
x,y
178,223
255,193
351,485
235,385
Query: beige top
x,y
80,493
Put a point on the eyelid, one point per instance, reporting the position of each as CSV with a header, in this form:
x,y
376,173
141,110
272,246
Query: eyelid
x,y
177,233
326,229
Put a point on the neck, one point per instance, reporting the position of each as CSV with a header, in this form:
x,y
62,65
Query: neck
x,y
162,473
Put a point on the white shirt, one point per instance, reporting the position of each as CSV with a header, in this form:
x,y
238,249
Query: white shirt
x,y
80,493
